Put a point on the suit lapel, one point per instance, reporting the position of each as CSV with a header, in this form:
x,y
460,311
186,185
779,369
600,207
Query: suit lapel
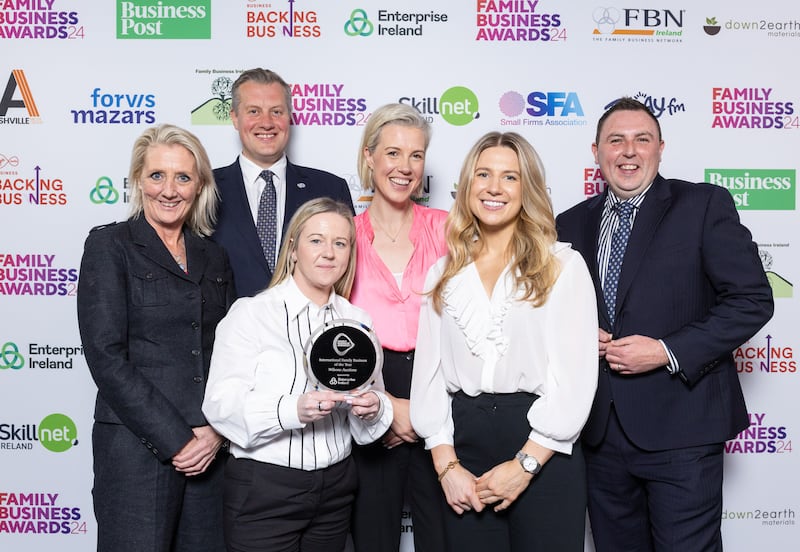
x,y
196,256
238,208
152,247
591,234
296,193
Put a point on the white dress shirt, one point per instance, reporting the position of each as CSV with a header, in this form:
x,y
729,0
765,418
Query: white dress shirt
x,y
501,344
254,185
257,376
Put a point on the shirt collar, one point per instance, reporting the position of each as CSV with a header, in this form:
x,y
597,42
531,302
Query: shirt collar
x,y
636,201
251,172
296,302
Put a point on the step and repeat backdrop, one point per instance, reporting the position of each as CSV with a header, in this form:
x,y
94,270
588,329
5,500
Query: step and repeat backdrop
x,y
80,80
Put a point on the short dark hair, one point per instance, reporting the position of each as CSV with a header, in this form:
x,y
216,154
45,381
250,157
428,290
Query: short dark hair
x,y
625,103
261,76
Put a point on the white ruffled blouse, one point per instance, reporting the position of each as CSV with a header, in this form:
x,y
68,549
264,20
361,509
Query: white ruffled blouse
x,y
499,344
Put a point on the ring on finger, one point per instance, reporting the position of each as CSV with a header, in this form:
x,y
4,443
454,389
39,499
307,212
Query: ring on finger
x,y
319,406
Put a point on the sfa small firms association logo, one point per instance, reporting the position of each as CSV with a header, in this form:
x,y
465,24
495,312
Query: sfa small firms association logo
x,y
542,108
39,513
458,105
18,82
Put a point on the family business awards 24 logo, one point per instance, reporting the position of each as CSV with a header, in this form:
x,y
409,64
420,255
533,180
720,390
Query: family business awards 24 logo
x,y
38,20
31,513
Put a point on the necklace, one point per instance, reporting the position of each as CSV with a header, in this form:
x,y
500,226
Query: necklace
x,y
178,257
380,226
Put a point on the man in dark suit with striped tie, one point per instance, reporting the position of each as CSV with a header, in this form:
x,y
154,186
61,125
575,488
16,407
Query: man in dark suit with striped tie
x,y
262,189
679,286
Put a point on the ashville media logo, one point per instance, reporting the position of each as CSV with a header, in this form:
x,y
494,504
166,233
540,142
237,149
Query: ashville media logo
x,y
757,189
162,19
17,82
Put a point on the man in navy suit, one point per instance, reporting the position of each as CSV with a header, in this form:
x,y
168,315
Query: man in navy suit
x,y
261,112
690,290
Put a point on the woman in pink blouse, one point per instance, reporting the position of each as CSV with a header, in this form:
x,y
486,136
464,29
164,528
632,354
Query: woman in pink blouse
x,y
397,242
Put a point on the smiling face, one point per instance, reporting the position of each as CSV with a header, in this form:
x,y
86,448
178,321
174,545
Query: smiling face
x,y
628,152
495,194
170,184
262,119
321,255
397,163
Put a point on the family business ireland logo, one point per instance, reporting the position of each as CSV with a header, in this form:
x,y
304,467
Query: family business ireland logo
x,y
757,189
38,20
18,95
159,19
216,110
781,287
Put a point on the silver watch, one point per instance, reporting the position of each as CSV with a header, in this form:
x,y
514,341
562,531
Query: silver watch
x,y
528,463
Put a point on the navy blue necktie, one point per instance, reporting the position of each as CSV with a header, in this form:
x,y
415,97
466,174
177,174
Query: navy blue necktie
x,y
267,223
619,242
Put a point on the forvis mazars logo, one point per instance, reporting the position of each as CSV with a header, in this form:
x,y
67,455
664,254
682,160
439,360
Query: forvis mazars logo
x,y
757,189
163,19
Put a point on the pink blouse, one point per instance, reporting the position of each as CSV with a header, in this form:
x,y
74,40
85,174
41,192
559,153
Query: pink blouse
x,y
395,312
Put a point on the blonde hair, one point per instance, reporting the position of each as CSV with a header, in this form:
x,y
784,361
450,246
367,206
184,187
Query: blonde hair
x,y
284,266
534,267
389,114
203,212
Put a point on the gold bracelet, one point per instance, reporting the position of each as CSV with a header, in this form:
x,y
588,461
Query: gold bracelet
x,y
450,466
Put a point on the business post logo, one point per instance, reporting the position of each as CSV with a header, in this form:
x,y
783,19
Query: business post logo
x,y
18,95
265,20
559,108
216,109
458,106
393,23
38,20
37,513
116,108
772,358
326,104
32,186
751,108
56,433
33,274
517,21
757,189
163,19
627,25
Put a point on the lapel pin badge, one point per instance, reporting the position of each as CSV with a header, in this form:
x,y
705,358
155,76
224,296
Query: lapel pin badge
x,y
301,184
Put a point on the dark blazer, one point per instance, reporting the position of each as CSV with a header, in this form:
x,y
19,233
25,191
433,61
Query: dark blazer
x,y
692,277
236,230
147,329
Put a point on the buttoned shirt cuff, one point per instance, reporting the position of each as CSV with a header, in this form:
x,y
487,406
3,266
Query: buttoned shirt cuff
x,y
672,366
288,417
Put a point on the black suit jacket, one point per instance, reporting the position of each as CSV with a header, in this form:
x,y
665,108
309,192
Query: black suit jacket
x,y
236,230
692,277
148,328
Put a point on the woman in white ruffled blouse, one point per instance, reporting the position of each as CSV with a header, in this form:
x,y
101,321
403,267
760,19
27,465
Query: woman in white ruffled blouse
x,y
506,364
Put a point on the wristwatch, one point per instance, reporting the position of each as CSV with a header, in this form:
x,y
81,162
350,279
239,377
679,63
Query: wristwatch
x,y
528,463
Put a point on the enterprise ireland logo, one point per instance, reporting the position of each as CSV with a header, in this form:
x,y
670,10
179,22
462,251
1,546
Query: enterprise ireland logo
x,y
10,357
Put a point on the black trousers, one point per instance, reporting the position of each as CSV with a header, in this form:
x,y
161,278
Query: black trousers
x,y
277,509
548,516
388,479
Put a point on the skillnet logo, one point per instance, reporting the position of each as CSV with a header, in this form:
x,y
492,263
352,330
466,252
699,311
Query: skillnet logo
x,y
757,189
30,513
751,108
392,23
773,358
31,274
116,108
34,187
542,108
18,96
761,437
326,104
163,19
56,433
38,20
517,21
457,105
781,287
266,20
627,25
215,109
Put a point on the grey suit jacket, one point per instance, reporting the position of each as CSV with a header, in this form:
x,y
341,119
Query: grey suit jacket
x,y
148,328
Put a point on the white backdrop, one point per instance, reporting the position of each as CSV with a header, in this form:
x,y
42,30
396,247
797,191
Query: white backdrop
x,y
82,79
